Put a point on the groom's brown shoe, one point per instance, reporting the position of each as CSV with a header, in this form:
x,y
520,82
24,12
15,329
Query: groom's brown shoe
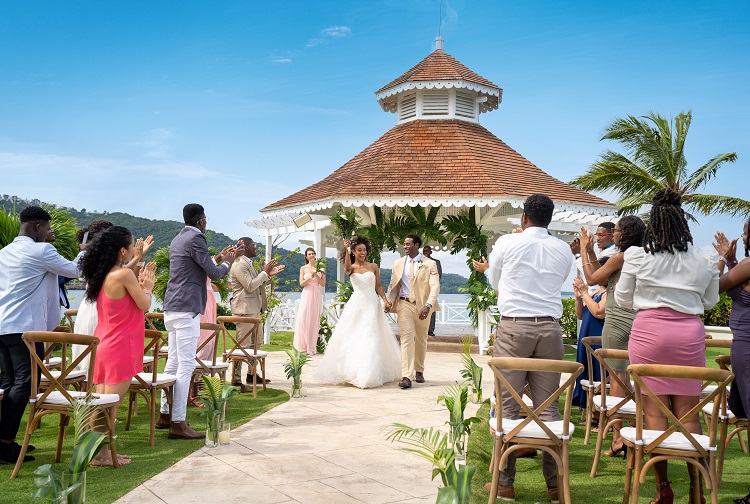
x,y
405,383
418,377
164,422
181,430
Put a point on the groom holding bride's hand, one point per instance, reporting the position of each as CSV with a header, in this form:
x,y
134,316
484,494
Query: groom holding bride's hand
x,y
413,293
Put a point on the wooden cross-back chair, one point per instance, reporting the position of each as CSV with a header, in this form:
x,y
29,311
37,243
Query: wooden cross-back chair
x,y
237,354
150,318
56,398
612,409
676,442
210,366
727,419
75,378
589,385
551,437
149,384
708,387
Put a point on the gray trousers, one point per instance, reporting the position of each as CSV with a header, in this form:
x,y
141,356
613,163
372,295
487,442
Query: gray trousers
x,y
530,339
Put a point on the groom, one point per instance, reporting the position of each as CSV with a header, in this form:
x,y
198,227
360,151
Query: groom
x,y
413,293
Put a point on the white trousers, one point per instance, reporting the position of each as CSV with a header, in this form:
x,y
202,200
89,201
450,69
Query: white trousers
x,y
184,330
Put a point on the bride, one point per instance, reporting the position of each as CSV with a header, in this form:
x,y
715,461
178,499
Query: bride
x,y
362,350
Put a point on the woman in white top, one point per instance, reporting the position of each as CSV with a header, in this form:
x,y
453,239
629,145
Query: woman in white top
x,y
670,283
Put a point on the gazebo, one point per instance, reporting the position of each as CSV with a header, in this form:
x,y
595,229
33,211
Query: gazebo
x,y
437,155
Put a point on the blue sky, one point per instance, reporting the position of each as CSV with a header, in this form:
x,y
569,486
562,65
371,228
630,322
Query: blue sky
x,y
142,107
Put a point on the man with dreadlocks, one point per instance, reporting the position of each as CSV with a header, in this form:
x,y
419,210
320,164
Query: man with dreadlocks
x,y
670,283
736,283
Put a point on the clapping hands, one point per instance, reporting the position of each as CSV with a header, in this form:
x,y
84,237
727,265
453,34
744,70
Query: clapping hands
x,y
272,269
726,249
579,287
147,276
587,240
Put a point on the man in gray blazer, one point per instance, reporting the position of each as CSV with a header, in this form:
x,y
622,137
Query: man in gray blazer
x,y
185,299
28,302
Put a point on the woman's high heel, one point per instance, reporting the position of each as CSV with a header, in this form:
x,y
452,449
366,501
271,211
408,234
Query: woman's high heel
x,y
614,453
666,495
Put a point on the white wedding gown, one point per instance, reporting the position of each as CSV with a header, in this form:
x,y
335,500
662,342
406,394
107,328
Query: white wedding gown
x,y
362,350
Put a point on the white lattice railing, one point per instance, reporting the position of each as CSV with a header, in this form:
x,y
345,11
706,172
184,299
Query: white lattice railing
x,y
283,316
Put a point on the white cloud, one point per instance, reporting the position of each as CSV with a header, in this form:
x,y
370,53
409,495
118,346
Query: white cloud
x,y
157,142
326,35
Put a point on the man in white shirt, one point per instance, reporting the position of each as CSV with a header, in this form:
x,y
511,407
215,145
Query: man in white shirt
x,y
528,270
28,302
605,244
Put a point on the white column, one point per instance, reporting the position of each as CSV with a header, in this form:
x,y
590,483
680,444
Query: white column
x,y
269,256
320,251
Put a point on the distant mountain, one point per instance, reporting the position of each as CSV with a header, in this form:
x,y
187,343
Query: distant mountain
x,y
164,230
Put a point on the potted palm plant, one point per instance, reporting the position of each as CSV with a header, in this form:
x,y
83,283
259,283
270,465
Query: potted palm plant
x,y
293,369
215,395
455,398
472,373
69,486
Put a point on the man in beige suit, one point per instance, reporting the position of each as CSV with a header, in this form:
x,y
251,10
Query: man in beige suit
x,y
413,291
249,296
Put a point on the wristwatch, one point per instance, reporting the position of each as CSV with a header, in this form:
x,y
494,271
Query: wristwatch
x,y
428,305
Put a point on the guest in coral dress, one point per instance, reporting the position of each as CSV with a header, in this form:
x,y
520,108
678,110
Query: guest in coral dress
x,y
121,298
310,305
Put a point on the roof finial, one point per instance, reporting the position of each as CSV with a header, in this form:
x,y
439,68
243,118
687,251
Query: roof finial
x,y
439,39
439,44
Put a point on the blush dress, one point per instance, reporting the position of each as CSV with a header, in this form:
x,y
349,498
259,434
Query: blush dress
x,y
121,333
307,324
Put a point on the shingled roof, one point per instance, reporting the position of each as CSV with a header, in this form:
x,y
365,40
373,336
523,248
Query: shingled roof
x,y
437,66
438,159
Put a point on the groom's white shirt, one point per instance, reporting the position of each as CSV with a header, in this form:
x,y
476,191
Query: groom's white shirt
x,y
405,278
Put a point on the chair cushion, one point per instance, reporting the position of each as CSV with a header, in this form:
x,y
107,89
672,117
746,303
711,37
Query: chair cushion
x,y
97,399
74,373
53,361
210,365
148,359
675,441
708,389
626,409
526,400
708,409
164,350
533,430
161,378
240,353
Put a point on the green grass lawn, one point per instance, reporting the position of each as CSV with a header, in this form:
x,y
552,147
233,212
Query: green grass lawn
x,y
607,487
105,485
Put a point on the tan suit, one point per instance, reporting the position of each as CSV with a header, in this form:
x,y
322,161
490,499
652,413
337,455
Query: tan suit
x,y
424,289
248,298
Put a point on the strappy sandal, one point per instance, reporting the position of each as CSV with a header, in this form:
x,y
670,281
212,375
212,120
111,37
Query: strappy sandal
x,y
743,500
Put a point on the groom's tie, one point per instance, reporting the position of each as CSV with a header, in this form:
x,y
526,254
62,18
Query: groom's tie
x,y
411,281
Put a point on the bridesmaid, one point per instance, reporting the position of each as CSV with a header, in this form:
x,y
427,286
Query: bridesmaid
x,y
310,305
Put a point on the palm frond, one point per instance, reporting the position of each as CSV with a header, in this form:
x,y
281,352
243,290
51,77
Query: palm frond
x,y
709,204
700,177
9,227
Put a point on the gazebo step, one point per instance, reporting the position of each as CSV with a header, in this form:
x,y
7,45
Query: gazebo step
x,y
447,344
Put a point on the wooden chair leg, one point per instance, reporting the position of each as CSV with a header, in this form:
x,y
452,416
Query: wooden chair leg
x,y
565,472
25,446
628,477
152,416
263,372
637,463
255,384
599,442
495,470
60,436
589,419
131,399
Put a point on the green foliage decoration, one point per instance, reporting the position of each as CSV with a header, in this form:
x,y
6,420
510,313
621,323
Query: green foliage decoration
x,y
719,314
471,372
569,322
324,334
344,291
481,297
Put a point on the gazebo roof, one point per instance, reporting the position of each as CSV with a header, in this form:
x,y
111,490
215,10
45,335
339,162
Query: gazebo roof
x,y
443,162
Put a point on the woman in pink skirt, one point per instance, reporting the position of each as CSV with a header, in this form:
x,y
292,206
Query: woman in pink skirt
x,y
670,283
310,305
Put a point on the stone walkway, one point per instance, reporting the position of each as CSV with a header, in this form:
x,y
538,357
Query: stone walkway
x,y
325,448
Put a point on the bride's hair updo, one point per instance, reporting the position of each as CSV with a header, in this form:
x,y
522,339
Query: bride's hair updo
x,y
358,240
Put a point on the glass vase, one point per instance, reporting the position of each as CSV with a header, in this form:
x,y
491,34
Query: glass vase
x,y
72,488
214,427
458,442
476,395
297,389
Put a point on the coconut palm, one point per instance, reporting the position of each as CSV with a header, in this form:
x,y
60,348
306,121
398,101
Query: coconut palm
x,y
465,234
385,233
62,223
9,226
654,159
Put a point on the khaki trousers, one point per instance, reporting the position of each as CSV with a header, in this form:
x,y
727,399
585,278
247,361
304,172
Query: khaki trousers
x,y
242,331
529,339
413,338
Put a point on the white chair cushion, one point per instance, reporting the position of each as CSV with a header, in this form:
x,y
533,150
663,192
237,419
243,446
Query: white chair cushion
x,y
97,399
626,409
533,430
161,378
587,384
210,365
526,400
240,353
148,359
708,409
74,373
708,389
53,361
164,350
675,441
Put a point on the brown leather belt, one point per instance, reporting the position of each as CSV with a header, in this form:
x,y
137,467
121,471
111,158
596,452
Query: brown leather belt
x,y
528,319
407,299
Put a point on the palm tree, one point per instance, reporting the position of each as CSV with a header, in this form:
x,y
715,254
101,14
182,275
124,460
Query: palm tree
x,y
654,159
465,234
161,258
385,232
425,224
62,223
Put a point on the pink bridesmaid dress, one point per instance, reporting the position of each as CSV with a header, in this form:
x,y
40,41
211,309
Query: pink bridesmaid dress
x,y
308,317
209,315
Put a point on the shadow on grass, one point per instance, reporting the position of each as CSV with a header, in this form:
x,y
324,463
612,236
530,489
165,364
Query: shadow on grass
x,y
105,485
